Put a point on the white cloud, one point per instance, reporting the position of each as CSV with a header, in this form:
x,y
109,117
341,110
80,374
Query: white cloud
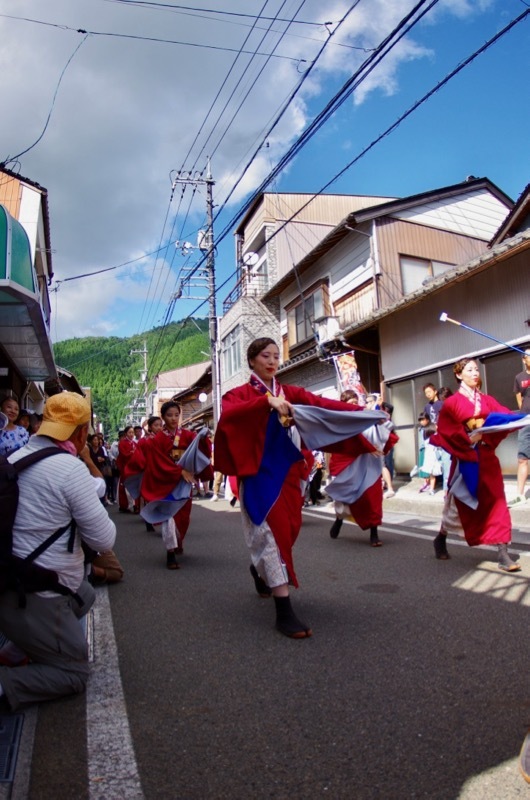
x,y
128,111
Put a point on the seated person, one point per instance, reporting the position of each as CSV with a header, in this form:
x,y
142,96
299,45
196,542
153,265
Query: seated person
x,y
52,493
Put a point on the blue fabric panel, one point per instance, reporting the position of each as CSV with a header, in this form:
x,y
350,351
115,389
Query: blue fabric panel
x,y
469,472
498,418
262,490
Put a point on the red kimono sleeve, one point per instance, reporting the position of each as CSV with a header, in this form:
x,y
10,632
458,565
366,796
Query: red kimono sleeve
x,y
452,433
240,434
126,448
137,462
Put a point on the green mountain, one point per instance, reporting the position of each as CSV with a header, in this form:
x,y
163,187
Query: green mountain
x,y
106,365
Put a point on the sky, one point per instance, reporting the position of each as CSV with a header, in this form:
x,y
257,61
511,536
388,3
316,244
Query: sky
x,y
105,118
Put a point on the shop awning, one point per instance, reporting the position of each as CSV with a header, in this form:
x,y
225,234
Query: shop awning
x,y
24,333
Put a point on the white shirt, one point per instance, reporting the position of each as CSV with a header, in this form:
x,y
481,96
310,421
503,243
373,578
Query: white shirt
x,y
51,493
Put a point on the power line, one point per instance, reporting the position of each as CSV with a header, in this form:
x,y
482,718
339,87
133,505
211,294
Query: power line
x,y
148,3
23,152
171,305
385,133
392,127
223,84
282,111
110,269
369,64
253,82
411,109
137,37
199,14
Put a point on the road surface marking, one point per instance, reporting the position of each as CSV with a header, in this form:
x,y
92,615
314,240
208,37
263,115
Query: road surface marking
x,y
112,769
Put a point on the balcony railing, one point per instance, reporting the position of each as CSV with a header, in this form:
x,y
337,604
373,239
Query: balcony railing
x,y
247,286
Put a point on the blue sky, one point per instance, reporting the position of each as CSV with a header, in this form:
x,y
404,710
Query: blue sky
x,y
127,112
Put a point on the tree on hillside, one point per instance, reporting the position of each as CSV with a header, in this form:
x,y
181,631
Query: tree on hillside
x,y
105,364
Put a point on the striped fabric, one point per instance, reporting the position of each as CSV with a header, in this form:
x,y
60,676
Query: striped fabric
x,y
51,493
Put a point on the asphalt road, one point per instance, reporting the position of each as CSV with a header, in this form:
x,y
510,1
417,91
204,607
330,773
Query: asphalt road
x,y
414,684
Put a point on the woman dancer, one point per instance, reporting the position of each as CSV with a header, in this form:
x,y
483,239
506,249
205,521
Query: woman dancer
x,y
151,427
126,448
367,509
157,458
268,462
475,501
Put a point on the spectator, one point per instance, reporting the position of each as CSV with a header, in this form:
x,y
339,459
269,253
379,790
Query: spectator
x,y
445,458
114,453
216,489
429,463
12,436
24,418
521,389
106,470
388,460
35,421
371,402
53,493
433,405
315,478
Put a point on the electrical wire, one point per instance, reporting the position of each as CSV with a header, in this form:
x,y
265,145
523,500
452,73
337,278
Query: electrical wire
x,y
243,74
204,16
10,159
418,103
147,3
410,110
223,84
137,37
331,107
218,118
390,41
252,84
283,110
109,269
391,128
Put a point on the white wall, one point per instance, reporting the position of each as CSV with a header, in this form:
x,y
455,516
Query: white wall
x,y
478,214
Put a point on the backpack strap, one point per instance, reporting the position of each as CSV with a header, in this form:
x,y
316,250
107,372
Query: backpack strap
x,y
32,458
53,538
18,466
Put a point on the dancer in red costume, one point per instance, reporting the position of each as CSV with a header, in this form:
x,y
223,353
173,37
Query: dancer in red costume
x,y
151,427
367,509
126,448
482,514
242,446
157,460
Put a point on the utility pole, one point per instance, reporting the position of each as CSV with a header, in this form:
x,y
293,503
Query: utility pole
x,y
139,404
205,244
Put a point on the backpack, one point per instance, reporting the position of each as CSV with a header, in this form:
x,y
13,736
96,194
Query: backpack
x,y
19,574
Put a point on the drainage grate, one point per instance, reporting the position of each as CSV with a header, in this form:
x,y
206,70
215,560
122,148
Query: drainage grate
x,y
10,732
